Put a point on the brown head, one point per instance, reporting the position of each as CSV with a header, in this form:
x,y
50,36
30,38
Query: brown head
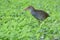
x,y
29,8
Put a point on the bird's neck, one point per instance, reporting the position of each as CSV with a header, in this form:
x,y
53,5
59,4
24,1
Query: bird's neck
x,y
32,11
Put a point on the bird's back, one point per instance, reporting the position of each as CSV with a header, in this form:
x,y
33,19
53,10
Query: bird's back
x,y
39,14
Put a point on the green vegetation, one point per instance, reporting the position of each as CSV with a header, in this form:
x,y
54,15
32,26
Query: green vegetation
x,y
17,24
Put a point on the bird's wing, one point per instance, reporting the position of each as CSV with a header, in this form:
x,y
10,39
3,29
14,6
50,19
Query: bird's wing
x,y
42,14
40,11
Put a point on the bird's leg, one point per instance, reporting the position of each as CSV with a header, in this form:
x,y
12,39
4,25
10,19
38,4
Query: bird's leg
x,y
39,22
43,22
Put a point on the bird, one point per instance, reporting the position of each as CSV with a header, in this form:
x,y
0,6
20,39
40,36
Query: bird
x,y
38,14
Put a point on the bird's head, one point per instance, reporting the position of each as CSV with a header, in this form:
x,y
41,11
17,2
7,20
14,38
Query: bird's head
x,y
30,8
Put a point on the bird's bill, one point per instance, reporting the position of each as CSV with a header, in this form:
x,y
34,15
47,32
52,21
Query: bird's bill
x,y
25,9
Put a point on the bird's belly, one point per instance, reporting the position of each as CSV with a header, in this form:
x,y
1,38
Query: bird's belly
x,y
39,17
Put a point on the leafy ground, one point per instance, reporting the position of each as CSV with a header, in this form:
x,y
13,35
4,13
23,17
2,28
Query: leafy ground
x,y
17,24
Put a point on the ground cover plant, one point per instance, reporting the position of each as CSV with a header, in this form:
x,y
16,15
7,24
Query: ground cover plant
x,y
17,24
